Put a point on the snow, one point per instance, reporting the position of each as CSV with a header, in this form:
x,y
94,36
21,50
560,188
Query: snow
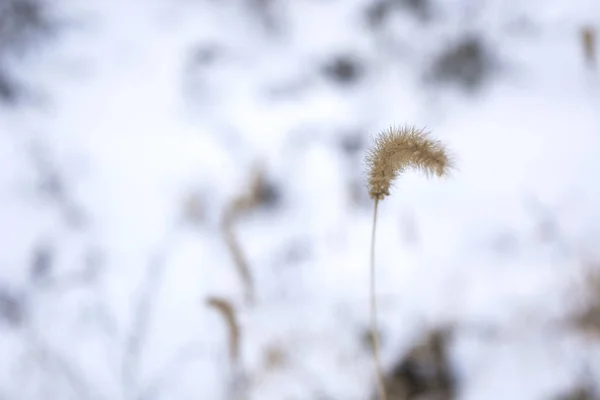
x,y
134,122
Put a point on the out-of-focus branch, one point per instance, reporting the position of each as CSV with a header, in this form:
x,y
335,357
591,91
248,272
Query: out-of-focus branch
x,y
227,311
258,192
137,337
51,360
238,388
186,354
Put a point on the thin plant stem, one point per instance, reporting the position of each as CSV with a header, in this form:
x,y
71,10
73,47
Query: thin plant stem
x,y
374,329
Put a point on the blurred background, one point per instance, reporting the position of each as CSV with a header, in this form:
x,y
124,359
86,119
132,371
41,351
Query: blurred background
x,y
184,215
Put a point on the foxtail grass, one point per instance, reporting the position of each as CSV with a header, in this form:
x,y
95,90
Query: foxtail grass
x,y
393,152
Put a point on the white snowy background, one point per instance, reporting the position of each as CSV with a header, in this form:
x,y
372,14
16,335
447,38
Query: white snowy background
x,y
128,127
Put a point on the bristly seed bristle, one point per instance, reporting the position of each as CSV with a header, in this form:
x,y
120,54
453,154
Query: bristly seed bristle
x,y
399,149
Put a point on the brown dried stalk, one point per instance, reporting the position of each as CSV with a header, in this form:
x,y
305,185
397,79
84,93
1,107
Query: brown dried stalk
x,y
239,206
395,151
240,261
588,42
226,309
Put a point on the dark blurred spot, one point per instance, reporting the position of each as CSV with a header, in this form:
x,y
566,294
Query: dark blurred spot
x,y
194,208
267,13
297,251
204,55
200,62
352,142
420,8
586,319
581,392
274,357
378,11
51,186
262,193
269,194
9,89
12,307
547,225
41,263
425,372
20,12
467,63
343,70
50,183
21,22
588,42
366,338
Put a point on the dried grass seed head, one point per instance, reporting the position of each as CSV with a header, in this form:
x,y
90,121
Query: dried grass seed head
x,y
399,149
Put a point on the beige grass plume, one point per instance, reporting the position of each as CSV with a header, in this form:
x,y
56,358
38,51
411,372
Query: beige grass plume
x,y
399,149
395,151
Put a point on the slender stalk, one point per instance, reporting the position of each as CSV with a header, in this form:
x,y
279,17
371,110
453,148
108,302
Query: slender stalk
x,y
374,329
395,151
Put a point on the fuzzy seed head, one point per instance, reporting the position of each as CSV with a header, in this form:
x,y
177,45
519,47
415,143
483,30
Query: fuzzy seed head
x,y
399,149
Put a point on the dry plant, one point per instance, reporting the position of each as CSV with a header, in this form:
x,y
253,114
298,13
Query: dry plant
x,y
425,372
588,42
52,185
586,388
579,393
587,318
137,336
395,151
18,311
227,311
468,64
257,193
238,386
